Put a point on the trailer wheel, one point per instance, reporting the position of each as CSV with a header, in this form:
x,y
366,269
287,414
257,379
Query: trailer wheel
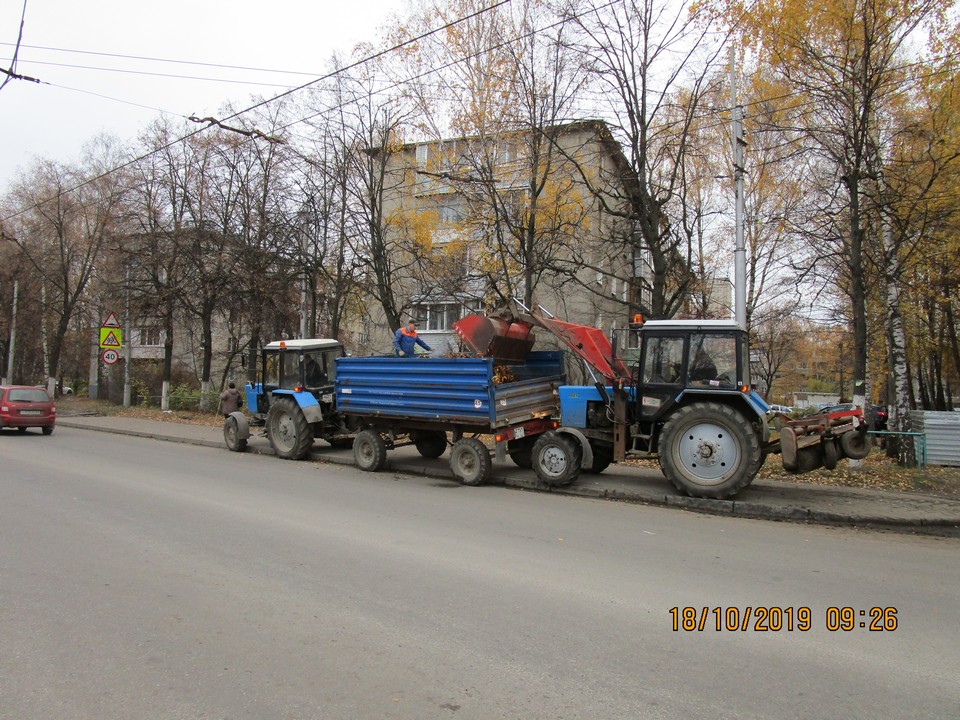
x,y
470,461
430,443
709,450
369,450
232,435
290,434
556,459
855,445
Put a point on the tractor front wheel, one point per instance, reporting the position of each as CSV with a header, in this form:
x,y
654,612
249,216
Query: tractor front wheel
x,y
556,459
232,434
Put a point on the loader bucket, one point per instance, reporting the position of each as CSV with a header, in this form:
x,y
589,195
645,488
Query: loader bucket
x,y
503,340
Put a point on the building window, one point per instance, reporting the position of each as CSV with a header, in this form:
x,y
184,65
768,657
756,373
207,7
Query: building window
x,y
441,316
150,336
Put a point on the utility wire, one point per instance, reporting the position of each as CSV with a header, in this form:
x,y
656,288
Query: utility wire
x,y
351,66
11,74
166,60
158,74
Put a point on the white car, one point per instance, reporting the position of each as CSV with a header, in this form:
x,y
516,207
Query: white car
x,y
785,409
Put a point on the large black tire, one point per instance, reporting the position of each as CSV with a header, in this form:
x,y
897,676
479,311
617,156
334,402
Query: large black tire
x,y
830,454
521,452
369,450
556,459
602,457
523,458
290,434
47,429
231,434
470,461
709,450
855,444
430,443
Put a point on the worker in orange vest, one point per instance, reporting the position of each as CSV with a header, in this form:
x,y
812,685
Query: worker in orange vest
x,y
406,339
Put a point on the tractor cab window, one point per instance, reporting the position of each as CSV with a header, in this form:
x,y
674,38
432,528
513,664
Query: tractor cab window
x,y
713,360
271,369
663,360
628,344
291,369
319,368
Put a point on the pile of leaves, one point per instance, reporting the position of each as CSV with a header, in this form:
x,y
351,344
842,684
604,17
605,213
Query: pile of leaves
x,y
67,406
877,471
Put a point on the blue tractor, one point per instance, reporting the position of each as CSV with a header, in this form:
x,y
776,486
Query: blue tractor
x,y
675,390
292,399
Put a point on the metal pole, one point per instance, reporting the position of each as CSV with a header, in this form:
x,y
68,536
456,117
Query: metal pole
x,y
129,358
13,334
740,254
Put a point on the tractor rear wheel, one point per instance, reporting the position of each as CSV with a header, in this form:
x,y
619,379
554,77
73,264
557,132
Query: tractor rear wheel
x,y
290,434
709,450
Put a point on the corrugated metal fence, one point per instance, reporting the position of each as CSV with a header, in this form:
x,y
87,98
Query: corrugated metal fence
x,y
942,430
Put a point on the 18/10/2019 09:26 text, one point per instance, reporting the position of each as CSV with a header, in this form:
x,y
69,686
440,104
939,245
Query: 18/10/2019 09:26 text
x,y
778,619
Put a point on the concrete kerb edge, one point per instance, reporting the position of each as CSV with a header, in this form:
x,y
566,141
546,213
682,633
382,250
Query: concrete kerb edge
x,y
704,505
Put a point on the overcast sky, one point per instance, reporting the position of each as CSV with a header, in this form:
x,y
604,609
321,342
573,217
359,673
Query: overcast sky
x,y
55,119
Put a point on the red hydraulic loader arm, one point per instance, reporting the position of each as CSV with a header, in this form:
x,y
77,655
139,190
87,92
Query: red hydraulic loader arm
x,y
508,338
588,342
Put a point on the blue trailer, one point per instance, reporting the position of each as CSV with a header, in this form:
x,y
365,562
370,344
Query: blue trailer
x,y
433,402
307,390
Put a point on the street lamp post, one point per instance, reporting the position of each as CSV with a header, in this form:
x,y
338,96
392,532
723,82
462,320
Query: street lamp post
x,y
129,359
13,334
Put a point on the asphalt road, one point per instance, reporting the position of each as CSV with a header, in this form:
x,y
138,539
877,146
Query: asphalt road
x,y
141,579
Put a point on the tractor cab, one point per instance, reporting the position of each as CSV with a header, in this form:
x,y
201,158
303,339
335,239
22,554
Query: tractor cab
x,y
293,367
671,361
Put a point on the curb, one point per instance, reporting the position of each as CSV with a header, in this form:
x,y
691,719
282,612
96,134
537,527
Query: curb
x,y
728,508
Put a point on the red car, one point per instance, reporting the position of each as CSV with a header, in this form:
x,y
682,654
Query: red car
x,y
25,406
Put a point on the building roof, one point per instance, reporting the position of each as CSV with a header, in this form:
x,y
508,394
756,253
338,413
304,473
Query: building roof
x,y
303,344
705,325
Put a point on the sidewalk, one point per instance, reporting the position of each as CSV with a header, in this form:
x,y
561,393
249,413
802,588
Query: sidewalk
x,y
767,499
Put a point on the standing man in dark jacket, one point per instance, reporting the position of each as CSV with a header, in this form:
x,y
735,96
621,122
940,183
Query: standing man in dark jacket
x,y
405,340
230,399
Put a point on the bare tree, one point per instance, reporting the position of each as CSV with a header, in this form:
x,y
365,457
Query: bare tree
x,y
67,214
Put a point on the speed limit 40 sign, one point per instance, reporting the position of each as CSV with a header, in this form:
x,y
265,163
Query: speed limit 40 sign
x,y
110,356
